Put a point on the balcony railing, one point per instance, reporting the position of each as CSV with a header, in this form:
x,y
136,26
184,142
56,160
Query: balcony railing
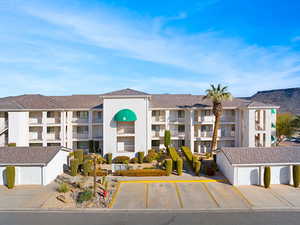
x,y
80,120
84,135
53,136
227,119
157,133
53,120
259,126
206,133
177,119
33,136
97,120
177,134
127,130
35,120
158,118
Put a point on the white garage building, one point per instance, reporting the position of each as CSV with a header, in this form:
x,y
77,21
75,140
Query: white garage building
x,y
245,166
33,165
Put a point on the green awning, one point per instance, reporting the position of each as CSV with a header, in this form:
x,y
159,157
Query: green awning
x,y
125,115
273,111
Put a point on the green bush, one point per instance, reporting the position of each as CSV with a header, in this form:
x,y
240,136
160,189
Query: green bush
x,y
84,196
11,144
78,154
167,138
194,160
141,173
74,163
10,173
169,166
173,153
63,188
141,157
87,167
179,166
187,152
134,160
121,159
100,159
99,173
197,168
267,176
109,158
296,175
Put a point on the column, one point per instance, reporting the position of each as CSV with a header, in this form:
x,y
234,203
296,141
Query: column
x,y
69,134
261,175
63,128
90,125
44,131
167,125
291,175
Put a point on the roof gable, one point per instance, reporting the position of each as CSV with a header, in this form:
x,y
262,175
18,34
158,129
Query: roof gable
x,y
127,91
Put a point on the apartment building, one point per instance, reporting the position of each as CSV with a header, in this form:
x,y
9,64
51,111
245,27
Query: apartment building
x,y
128,121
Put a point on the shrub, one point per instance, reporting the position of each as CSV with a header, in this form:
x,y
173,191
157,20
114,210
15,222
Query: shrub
x,y
10,173
141,173
74,163
187,152
141,157
296,175
173,153
78,154
84,196
169,166
267,176
197,168
11,144
63,188
167,138
194,160
87,167
179,166
207,155
100,159
121,159
134,160
109,158
99,173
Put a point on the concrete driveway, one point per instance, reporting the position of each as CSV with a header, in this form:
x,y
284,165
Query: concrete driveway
x,y
25,196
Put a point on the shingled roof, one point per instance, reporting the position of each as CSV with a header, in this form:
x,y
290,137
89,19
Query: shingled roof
x,y
84,102
246,155
27,155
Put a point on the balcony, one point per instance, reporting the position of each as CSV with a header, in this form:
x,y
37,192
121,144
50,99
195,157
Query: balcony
x,y
53,136
157,133
227,119
208,134
53,120
35,120
35,136
178,134
98,120
158,119
177,119
83,135
80,120
259,126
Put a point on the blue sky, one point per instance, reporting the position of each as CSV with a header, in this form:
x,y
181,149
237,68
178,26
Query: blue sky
x,y
171,46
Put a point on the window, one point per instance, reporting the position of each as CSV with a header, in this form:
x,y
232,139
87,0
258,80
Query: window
x,y
155,143
181,128
50,130
207,112
154,113
181,113
50,114
82,114
155,128
82,129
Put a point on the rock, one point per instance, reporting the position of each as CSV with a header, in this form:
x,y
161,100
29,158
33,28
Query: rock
x,y
61,198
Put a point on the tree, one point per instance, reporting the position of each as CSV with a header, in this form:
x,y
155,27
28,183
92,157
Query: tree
x,y
285,125
167,138
217,95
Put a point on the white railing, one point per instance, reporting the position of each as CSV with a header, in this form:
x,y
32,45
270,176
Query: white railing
x,y
206,133
227,119
52,120
157,133
158,118
207,119
80,120
83,135
53,136
125,130
177,119
35,120
97,120
35,136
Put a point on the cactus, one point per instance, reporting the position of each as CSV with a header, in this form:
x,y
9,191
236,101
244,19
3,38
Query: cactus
x,y
74,163
87,167
179,165
78,154
296,175
197,168
109,158
141,156
10,176
267,177
169,166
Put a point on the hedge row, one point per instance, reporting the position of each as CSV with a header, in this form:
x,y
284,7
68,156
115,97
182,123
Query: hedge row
x,y
141,173
187,152
173,153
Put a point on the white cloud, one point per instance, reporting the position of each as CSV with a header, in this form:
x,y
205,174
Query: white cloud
x,y
211,56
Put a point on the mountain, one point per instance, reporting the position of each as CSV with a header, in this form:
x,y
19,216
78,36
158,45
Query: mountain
x,y
288,99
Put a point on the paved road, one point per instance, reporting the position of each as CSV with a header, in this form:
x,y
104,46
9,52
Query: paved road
x,y
151,217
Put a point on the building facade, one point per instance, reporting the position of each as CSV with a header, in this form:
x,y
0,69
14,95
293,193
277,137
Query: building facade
x,y
128,121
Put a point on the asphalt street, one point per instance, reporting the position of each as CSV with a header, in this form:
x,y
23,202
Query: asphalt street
x,y
172,217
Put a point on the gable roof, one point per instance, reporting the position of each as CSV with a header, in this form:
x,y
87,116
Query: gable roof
x,y
126,92
268,155
27,155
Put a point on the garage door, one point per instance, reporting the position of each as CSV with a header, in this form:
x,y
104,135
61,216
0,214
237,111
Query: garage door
x,y
280,175
30,175
247,176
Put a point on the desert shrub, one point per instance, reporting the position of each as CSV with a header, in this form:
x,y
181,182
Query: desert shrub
x,y
11,144
109,158
10,173
63,188
187,152
173,153
194,160
87,167
179,166
197,168
141,173
78,154
134,160
169,166
121,159
100,159
267,176
74,163
99,173
296,175
207,155
141,157
84,196
163,157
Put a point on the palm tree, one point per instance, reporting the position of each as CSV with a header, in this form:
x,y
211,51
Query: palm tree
x,y
217,95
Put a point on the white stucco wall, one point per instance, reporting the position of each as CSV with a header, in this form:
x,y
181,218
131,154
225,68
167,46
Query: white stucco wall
x,y
55,167
111,107
18,129
225,167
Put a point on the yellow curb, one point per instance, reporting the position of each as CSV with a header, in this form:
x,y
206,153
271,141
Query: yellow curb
x,y
111,204
178,195
211,195
171,181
